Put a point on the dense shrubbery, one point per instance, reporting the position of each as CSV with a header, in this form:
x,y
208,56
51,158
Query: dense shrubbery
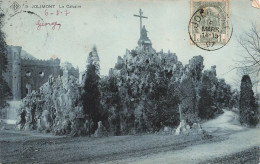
x,y
144,92
56,108
141,93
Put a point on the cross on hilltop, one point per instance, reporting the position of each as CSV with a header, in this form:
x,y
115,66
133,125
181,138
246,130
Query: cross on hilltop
x,y
140,16
144,43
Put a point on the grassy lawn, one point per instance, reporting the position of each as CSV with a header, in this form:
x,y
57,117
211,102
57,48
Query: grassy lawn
x,y
33,147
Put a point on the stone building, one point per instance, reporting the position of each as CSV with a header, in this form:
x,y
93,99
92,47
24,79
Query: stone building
x,y
26,74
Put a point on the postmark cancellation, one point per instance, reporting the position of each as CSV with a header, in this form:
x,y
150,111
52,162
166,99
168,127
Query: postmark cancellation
x,y
209,27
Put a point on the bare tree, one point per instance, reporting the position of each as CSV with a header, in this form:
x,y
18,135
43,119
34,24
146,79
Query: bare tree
x,y
250,62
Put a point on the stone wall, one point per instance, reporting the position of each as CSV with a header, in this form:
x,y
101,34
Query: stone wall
x,y
36,72
25,75
13,74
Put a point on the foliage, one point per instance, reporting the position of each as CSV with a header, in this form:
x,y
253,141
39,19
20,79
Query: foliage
x,y
223,94
112,102
162,110
4,88
207,106
144,92
187,99
91,94
147,85
234,101
54,108
247,104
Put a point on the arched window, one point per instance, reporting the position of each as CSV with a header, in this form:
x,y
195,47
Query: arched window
x,y
28,89
41,74
28,73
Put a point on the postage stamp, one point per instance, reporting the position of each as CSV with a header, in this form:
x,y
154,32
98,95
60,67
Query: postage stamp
x,y
209,27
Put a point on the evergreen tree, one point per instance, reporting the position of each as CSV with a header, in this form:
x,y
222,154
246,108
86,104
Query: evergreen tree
x,y
116,101
223,94
247,104
91,96
112,103
4,89
206,102
187,98
162,109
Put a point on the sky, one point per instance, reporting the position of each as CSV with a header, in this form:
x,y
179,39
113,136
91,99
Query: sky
x,y
111,26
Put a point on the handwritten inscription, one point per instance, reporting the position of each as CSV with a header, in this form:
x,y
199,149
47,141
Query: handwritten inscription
x,y
57,12
50,10
53,25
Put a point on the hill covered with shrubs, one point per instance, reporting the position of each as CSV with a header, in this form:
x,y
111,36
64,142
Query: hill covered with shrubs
x,y
144,92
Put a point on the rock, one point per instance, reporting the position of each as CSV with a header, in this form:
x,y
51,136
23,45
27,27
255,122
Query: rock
x,y
101,130
181,128
184,128
45,120
166,129
196,126
178,131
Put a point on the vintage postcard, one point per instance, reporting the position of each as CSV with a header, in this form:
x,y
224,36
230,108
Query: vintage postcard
x,y
113,81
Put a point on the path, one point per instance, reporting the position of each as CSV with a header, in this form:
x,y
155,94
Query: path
x,y
241,139
224,124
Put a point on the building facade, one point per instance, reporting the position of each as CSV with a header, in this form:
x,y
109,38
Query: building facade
x,y
24,75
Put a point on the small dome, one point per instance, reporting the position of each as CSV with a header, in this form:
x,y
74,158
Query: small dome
x,y
54,56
